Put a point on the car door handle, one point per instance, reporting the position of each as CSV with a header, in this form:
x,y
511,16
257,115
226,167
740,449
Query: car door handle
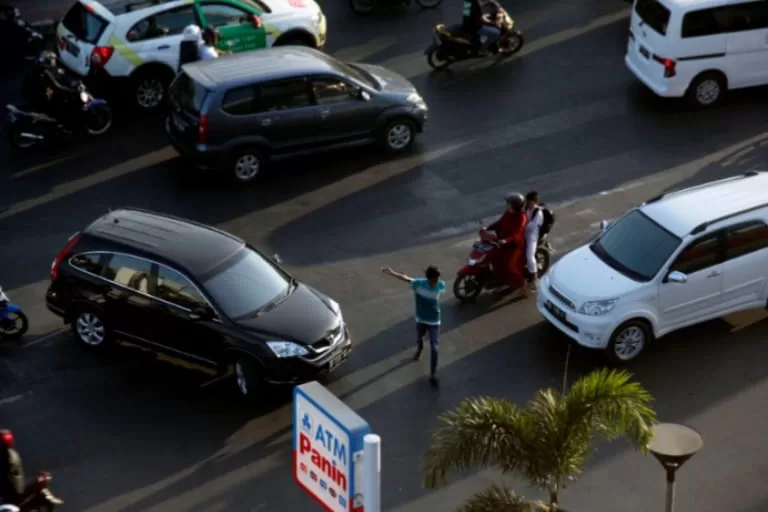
x,y
714,273
164,47
325,113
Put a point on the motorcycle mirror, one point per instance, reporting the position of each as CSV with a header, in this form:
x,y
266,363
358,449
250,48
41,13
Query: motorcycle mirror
x,y
276,259
365,96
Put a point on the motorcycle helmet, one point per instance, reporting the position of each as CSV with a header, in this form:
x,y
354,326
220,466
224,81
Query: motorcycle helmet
x,y
6,438
515,200
191,33
48,60
211,36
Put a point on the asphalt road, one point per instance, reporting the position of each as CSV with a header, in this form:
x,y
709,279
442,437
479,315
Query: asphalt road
x,y
124,432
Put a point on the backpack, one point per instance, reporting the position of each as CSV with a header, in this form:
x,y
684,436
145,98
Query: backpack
x,y
548,220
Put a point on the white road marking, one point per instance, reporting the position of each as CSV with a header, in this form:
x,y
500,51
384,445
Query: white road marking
x,y
10,400
44,338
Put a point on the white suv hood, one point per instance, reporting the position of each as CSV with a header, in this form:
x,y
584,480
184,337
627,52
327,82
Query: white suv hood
x,y
581,276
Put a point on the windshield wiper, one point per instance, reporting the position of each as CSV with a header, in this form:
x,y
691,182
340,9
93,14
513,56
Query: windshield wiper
x,y
613,262
276,301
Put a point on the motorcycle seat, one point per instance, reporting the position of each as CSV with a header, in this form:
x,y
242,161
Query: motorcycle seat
x,y
455,33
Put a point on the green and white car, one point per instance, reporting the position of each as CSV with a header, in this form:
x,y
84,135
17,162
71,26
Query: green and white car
x,y
116,44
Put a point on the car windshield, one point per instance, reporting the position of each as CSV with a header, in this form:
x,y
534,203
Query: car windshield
x,y
359,74
653,14
636,246
247,285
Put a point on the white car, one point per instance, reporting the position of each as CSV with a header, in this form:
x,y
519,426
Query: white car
x,y
679,259
136,44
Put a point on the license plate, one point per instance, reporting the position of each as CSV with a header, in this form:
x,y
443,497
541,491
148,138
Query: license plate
x,y
555,311
645,53
72,48
178,123
336,361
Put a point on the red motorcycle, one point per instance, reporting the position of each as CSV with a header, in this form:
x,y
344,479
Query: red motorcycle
x,y
479,274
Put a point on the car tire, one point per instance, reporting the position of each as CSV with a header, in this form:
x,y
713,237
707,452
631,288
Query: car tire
x,y
149,89
247,378
628,341
707,90
90,328
246,165
398,135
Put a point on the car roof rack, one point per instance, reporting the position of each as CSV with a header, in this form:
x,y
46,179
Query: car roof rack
x,y
704,225
748,174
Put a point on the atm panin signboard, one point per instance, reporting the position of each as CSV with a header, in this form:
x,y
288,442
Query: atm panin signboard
x,y
327,448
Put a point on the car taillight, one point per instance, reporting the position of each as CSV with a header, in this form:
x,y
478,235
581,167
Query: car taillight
x,y
43,479
669,66
101,55
63,254
202,130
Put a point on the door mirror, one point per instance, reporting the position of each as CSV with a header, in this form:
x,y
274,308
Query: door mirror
x,y
604,224
365,96
276,259
200,314
677,277
256,21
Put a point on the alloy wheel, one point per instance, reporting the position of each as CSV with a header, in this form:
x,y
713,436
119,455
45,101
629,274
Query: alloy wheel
x,y
90,329
708,92
629,343
247,167
399,136
12,324
149,93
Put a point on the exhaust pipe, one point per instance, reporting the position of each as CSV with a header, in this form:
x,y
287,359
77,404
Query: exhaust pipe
x,y
32,136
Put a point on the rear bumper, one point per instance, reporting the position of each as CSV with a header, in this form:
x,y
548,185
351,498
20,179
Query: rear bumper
x,y
669,89
203,158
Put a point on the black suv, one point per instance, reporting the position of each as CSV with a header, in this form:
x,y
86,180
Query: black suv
x,y
198,293
238,111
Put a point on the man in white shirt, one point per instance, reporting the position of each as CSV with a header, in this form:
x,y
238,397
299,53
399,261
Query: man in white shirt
x,y
532,229
207,48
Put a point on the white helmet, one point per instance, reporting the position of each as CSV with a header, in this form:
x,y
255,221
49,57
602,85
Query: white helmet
x,y
190,33
9,508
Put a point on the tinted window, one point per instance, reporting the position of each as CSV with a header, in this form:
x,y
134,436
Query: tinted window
x,y
747,238
701,254
246,285
653,14
167,23
284,95
87,262
129,271
220,15
84,24
188,94
702,23
731,18
239,102
328,90
177,289
636,246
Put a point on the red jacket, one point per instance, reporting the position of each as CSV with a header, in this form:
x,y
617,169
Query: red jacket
x,y
510,228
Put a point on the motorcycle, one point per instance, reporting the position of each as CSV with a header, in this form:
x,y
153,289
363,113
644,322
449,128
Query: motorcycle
x,y
13,321
37,497
451,44
27,128
368,6
478,274
19,38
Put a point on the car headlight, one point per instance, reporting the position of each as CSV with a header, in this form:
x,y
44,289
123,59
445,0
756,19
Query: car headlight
x,y
598,307
416,98
475,261
283,349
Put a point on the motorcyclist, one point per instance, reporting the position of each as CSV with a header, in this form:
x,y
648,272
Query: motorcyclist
x,y
11,470
208,50
50,93
475,23
509,259
189,48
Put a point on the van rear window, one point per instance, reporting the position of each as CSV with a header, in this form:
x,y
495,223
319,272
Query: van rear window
x,y
653,14
84,24
188,94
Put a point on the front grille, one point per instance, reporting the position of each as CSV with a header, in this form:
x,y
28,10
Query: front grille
x,y
562,298
329,340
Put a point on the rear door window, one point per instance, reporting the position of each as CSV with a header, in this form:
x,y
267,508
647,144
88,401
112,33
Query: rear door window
x,y
746,239
92,263
239,101
653,14
284,95
188,94
130,272
726,19
84,24
169,23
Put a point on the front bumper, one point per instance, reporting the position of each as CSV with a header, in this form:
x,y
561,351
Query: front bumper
x,y
588,331
297,370
322,32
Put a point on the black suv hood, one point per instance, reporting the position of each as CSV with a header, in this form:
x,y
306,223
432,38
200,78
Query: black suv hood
x,y
303,317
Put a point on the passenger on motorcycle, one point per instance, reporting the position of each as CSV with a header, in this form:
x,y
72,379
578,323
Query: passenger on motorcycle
x,y
509,260
11,470
483,30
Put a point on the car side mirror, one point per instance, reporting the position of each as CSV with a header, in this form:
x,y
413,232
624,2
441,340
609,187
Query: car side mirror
x,y
276,259
365,96
256,21
200,314
604,224
676,277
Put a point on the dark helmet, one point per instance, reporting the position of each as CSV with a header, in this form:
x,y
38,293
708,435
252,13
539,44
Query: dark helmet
x,y
48,60
6,438
515,200
211,35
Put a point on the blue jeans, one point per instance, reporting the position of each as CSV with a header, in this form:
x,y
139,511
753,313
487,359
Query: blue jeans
x,y
487,35
434,332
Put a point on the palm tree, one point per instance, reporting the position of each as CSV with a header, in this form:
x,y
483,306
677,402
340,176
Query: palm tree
x,y
547,442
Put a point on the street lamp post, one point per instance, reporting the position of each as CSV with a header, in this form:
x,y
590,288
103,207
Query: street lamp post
x,y
672,445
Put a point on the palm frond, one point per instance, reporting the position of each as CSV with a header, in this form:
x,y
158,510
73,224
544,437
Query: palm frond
x,y
501,499
610,403
479,432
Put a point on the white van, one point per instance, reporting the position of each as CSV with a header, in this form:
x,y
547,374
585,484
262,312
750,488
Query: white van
x,y
698,48
679,259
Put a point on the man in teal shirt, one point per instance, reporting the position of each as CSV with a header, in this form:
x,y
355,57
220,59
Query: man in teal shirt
x,y
426,291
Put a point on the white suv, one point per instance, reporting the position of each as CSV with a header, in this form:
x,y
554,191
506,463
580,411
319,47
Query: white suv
x,y
679,259
136,44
